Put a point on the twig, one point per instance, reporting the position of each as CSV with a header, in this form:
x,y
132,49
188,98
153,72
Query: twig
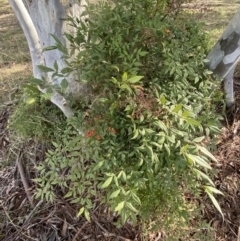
x,y
32,212
24,180
17,228
79,231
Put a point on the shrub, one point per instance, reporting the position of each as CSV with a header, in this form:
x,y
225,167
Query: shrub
x,y
148,117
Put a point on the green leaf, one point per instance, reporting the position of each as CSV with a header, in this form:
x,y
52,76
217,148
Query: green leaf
x,y
49,91
38,180
171,138
199,139
143,53
185,113
157,145
177,108
36,81
123,216
135,134
116,181
203,175
125,86
66,70
69,194
114,80
131,207
87,215
107,182
167,148
115,194
134,79
115,67
55,144
49,48
99,165
136,198
30,100
120,206
56,39
162,100
55,65
137,64
64,84
150,152
124,77
213,199
180,133
161,125
192,121
124,177
198,160
208,72
207,153
215,129
45,69
214,190
80,212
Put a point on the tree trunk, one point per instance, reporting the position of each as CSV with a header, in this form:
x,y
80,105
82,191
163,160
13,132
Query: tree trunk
x,y
39,19
224,56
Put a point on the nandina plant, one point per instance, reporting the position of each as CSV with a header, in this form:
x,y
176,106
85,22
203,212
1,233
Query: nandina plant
x,y
144,124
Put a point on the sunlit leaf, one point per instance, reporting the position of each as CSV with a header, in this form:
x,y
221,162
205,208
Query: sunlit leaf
x,y
115,194
124,77
107,182
177,108
203,175
214,201
207,153
135,134
198,160
87,215
192,121
30,100
134,79
131,207
120,206
199,139
167,148
161,125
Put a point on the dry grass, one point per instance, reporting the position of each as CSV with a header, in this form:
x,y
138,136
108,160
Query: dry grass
x,y
216,15
15,64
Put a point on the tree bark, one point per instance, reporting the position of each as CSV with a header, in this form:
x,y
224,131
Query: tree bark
x,y
39,19
224,56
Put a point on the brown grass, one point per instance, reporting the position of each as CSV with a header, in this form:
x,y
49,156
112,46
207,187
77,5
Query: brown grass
x,y
15,64
216,15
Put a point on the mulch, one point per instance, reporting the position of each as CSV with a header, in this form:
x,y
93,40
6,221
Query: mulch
x,y
50,222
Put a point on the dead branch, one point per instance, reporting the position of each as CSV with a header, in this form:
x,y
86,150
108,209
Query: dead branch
x,y
24,180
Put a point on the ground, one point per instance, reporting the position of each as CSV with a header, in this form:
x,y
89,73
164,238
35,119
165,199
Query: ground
x,y
42,221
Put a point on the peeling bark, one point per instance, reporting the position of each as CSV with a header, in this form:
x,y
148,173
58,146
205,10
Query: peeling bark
x,y
39,19
224,56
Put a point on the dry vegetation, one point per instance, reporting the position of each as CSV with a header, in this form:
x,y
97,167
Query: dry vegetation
x,y
18,221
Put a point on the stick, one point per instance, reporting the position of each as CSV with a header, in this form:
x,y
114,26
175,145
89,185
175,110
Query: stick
x,y
24,180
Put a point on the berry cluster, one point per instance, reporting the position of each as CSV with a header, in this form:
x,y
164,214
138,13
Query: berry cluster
x,y
91,133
